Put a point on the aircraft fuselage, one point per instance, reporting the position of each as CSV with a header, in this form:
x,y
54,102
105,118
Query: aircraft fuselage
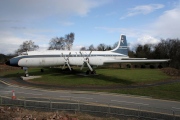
x,y
57,58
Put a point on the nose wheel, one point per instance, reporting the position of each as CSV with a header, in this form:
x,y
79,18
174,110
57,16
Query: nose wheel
x,y
26,72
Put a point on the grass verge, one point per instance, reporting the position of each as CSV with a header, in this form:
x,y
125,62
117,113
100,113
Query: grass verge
x,y
108,77
105,77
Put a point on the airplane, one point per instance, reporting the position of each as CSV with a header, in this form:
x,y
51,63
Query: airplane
x,y
50,58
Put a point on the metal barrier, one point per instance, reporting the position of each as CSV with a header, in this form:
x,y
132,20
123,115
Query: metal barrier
x,y
139,111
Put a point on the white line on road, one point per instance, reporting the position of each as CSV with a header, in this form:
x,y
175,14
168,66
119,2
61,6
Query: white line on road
x,y
176,108
28,93
65,96
7,91
129,102
71,97
83,97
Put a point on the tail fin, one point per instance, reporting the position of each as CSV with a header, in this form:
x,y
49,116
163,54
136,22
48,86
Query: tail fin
x,y
122,46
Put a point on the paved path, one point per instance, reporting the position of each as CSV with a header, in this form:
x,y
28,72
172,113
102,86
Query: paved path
x,y
127,101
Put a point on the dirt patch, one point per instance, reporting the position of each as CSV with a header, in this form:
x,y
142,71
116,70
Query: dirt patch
x,y
17,113
171,71
4,68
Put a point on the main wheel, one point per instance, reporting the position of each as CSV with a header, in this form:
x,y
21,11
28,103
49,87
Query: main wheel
x,y
93,72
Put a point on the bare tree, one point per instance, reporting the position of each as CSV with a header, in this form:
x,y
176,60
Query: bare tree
x,y
115,45
91,48
144,51
103,47
57,44
62,43
83,49
27,46
69,39
169,49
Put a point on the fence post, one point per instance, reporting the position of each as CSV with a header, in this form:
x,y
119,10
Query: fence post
x,y
173,115
109,109
50,104
0,100
24,102
139,113
78,106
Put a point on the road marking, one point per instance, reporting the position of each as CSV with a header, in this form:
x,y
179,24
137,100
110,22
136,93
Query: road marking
x,y
129,102
65,96
28,93
7,91
176,108
71,97
82,97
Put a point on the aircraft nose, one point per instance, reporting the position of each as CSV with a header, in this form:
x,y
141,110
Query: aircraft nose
x,y
8,62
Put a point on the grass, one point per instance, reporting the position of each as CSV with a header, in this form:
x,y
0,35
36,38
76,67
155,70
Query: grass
x,y
109,77
105,77
169,91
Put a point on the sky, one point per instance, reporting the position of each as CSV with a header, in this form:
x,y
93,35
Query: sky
x,y
92,21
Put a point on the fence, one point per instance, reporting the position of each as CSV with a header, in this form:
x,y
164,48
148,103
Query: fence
x,y
139,111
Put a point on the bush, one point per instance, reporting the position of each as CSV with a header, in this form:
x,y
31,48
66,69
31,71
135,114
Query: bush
x,y
128,66
160,66
152,66
136,66
143,66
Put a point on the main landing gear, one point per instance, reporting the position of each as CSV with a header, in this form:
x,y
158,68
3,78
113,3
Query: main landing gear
x,y
89,72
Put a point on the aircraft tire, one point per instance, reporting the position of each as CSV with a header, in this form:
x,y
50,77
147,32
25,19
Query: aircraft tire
x,y
93,72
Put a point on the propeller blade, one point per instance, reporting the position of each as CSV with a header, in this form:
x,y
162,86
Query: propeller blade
x,y
89,54
81,54
64,65
82,66
68,55
89,66
68,66
63,57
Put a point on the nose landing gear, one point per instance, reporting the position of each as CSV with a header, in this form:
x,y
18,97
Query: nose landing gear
x,y
26,71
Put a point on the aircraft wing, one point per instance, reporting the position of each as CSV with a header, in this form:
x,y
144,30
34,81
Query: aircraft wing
x,y
136,61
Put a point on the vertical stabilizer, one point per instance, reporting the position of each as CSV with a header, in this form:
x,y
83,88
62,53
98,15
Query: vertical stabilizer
x,y
122,46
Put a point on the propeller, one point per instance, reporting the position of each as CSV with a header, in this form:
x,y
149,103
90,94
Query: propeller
x,y
66,62
86,61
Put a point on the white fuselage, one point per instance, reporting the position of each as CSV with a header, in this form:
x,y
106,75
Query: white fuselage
x,y
57,57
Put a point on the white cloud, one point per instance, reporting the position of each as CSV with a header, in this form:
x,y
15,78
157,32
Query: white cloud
x,y
147,39
142,40
167,25
131,32
12,10
142,9
7,37
9,43
77,47
19,17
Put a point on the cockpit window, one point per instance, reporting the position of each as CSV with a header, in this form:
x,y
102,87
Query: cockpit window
x,y
24,53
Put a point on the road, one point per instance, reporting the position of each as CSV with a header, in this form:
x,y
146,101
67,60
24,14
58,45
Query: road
x,y
128,101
